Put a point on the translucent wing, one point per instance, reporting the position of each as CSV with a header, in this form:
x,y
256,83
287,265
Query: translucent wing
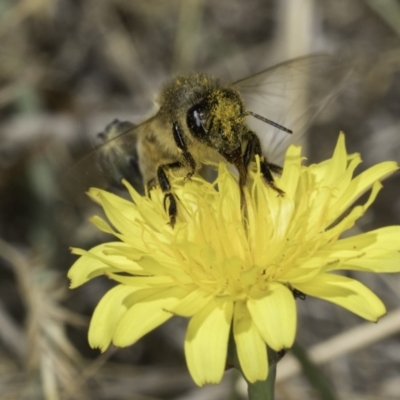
x,y
104,167
291,94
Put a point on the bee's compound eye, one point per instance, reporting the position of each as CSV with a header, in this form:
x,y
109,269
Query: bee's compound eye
x,y
194,120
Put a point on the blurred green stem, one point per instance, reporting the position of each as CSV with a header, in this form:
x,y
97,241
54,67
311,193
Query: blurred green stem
x,y
260,390
321,384
263,390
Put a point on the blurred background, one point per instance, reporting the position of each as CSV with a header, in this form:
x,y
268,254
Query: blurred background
x,y
69,67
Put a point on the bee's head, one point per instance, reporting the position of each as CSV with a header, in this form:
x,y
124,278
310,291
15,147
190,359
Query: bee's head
x,y
217,120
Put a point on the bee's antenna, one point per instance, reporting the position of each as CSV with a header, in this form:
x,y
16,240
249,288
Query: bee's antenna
x,y
268,121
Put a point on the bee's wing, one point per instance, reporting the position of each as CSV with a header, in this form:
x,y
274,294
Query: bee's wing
x,y
291,94
105,166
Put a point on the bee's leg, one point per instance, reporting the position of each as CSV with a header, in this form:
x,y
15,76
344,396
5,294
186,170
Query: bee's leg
x,y
165,186
253,148
248,153
275,168
187,161
298,295
180,143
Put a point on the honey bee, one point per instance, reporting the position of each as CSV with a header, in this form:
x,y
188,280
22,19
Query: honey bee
x,y
200,120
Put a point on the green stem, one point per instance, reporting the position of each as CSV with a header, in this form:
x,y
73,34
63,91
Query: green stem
x,y
260,390
263,390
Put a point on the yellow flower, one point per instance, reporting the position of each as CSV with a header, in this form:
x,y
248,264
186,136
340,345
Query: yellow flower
x,y
223,270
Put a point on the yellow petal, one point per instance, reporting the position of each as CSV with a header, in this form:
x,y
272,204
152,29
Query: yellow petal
x,y
93,263
102,225
345,292
281,211
291,171
159,282
363,182
158,265
206,342
307,270
147,207
348,221
383,238
106,315
127,208
146,314
342,182
250,347
121,213
193,303
380,261
338,163
274,314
